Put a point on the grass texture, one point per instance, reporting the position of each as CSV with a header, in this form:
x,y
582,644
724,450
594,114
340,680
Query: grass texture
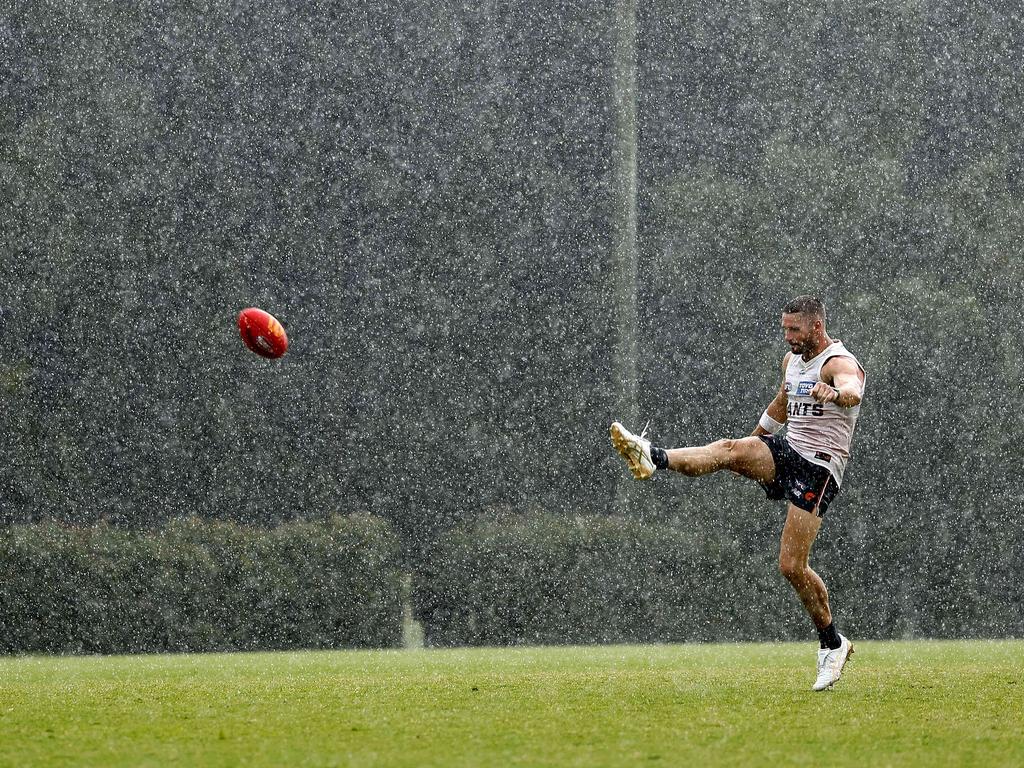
x,y
898,704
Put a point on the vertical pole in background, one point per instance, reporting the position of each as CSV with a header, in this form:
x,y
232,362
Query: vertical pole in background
x,y
624,236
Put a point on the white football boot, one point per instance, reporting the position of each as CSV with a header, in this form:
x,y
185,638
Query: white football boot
x,y
831,663
634,449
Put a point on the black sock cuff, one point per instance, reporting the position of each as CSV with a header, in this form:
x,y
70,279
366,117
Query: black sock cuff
x,y
829,637
660,457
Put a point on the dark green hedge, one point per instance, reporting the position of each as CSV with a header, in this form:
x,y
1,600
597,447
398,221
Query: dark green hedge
x,y
547,579
199,586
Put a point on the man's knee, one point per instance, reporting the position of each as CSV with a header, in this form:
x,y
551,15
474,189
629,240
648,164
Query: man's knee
x,y
737,455
729,451
791,567
747,456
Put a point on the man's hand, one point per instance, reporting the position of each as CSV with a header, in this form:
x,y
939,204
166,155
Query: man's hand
x,y
824,393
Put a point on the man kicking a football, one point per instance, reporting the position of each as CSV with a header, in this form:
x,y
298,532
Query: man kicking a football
x,y
818,401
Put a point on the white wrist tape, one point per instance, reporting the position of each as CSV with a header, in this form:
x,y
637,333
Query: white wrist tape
x,y
768,424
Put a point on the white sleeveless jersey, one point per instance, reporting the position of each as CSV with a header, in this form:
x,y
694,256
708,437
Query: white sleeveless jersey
x,y
820,432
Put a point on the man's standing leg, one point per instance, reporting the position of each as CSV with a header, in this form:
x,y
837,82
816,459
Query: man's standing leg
x,y
798,535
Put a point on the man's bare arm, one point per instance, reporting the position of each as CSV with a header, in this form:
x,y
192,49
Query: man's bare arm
x,y
776,410
842,383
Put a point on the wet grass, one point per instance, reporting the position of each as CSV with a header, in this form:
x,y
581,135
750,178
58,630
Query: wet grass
x,y
899,704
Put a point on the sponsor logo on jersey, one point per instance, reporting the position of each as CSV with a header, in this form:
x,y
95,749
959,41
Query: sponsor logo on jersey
x,y
803,388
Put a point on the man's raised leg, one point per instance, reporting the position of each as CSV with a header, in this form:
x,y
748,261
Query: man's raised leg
x,y
747,456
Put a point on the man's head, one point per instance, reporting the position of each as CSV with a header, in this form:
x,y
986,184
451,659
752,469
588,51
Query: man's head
x,y
803,324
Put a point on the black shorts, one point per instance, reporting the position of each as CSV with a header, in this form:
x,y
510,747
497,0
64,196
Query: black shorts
x,y
809,486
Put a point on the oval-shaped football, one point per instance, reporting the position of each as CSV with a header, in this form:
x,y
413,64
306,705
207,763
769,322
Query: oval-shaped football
x,y
262,333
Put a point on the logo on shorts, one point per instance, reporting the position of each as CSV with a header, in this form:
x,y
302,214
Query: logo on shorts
x,y
822,455
809,496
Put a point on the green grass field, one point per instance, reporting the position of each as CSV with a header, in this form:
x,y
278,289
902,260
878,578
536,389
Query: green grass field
x,y
898,704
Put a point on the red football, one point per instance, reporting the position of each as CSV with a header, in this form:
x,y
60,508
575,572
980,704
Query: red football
x,y
262,333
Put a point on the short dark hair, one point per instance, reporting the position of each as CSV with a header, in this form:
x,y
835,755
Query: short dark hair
x,y
806,305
